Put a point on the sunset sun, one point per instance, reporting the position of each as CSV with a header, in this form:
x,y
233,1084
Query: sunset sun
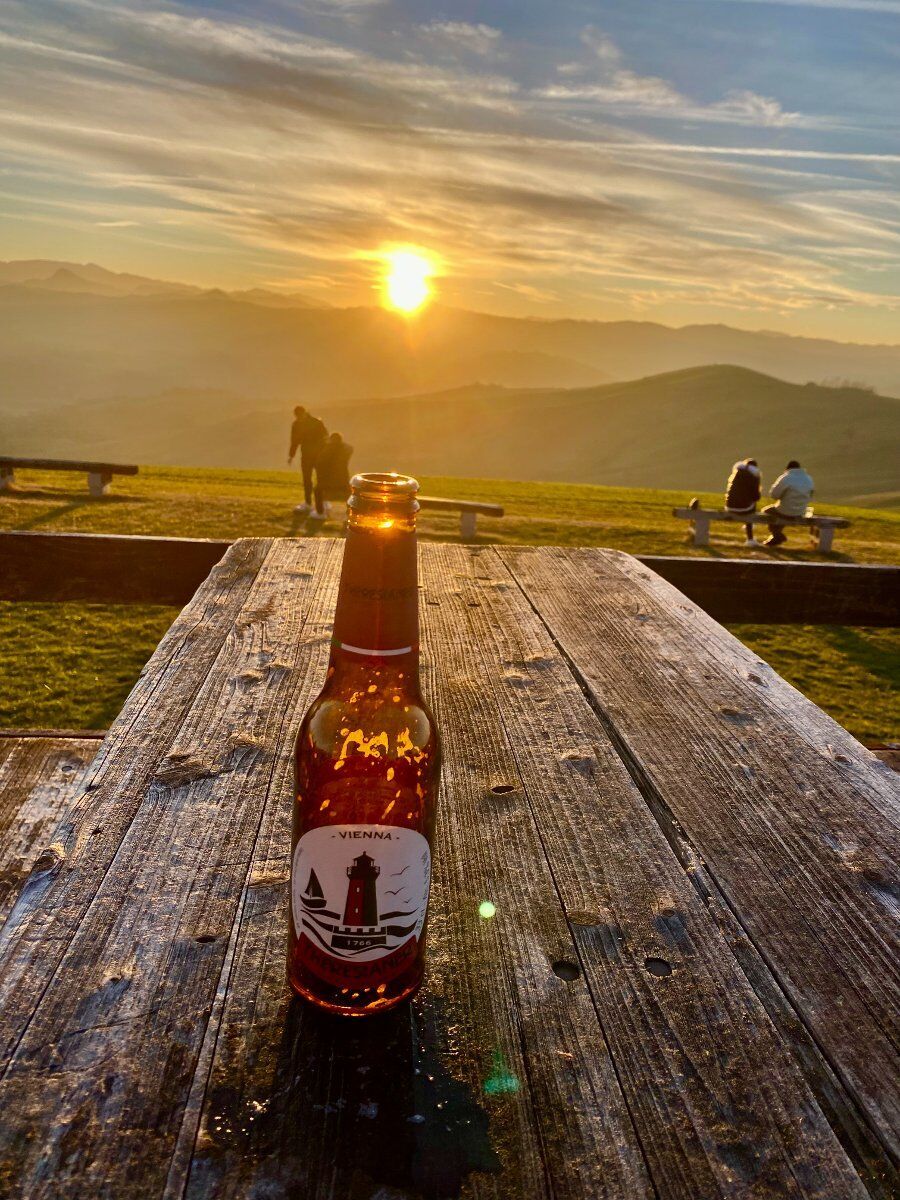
x,y
406,281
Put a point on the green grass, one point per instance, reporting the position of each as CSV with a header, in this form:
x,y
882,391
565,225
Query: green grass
x,y
71,666
177,502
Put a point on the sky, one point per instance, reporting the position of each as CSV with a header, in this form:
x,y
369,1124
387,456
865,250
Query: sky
x,y
681,161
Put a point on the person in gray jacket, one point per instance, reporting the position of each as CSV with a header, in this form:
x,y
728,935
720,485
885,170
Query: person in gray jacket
x,y
793,491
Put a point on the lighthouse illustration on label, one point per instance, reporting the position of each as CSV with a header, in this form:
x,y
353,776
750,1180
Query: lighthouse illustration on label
x,y
360,901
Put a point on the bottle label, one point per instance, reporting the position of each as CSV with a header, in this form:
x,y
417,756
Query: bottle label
x,y
359,895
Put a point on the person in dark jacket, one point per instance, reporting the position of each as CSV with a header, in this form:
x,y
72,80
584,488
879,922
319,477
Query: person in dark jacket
x,y
743,491
333,472
308,434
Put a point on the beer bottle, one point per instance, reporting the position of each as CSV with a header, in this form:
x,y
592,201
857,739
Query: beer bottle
x,y
366,762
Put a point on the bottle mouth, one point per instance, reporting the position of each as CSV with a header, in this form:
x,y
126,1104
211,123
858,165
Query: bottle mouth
x,y
384,484
374,491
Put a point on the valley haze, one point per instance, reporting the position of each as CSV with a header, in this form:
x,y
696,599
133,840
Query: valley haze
x,y
97,364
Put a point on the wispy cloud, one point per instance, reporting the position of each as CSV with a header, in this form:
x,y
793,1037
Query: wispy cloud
x,y
888,7
477,39
705,149
605,79
295,151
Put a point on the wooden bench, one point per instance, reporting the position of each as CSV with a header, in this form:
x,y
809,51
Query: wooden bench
x,y
822,527
468,510
99,473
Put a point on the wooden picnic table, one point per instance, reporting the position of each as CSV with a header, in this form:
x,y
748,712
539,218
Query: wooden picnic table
x,y
687,988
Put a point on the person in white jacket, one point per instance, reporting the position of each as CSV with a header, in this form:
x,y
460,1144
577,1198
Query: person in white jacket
x,y
793,491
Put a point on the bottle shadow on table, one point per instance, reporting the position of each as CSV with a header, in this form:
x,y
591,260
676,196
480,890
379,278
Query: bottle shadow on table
x,y
352,1104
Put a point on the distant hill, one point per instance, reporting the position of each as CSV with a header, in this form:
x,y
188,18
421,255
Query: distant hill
x,y
681,430
49,275
72,332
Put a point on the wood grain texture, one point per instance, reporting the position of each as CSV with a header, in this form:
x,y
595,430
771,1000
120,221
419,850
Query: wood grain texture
x,y
794,820
481,507
62,464
718,1103
602,1035
758,518
111,958
474,1086
39,776
285,1098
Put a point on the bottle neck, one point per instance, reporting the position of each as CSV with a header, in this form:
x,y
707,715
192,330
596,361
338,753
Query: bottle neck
x,y
377,614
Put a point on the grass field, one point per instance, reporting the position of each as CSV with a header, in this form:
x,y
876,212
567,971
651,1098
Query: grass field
x,y
227,504
70,666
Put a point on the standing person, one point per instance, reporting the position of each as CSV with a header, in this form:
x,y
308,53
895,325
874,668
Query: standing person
x,y
793,491
333,472
309,434
743,490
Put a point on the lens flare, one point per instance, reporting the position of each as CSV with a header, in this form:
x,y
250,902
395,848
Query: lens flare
x,y
501,1080
406,285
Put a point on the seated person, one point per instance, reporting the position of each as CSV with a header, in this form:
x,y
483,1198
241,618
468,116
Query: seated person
x,y
333,473
793,491
743,491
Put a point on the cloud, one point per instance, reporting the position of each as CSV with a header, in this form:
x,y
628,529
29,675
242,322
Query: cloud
x,y
651,96
888,7
461,35
294,152
602,48
704,149
605,80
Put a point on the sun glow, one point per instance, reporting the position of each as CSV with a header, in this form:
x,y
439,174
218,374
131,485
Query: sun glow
x,y
406,285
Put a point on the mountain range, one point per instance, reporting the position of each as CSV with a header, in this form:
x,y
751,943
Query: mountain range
x,y
100,364
89,279
70,332
681,429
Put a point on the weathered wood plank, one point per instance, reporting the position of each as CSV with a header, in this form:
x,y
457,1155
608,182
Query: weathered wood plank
x,y
64,464
110,960
105,568
796,822
149,1047
38,777
720,1107
785,593
479,507
758,518
405,1102
27,732
118,1038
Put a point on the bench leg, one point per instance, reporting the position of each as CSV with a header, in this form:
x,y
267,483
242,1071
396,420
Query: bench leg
x,y
701,530
7,475
467,523
98,484
826,537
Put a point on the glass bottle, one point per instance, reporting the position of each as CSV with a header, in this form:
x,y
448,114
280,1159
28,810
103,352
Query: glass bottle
x,y
366,767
